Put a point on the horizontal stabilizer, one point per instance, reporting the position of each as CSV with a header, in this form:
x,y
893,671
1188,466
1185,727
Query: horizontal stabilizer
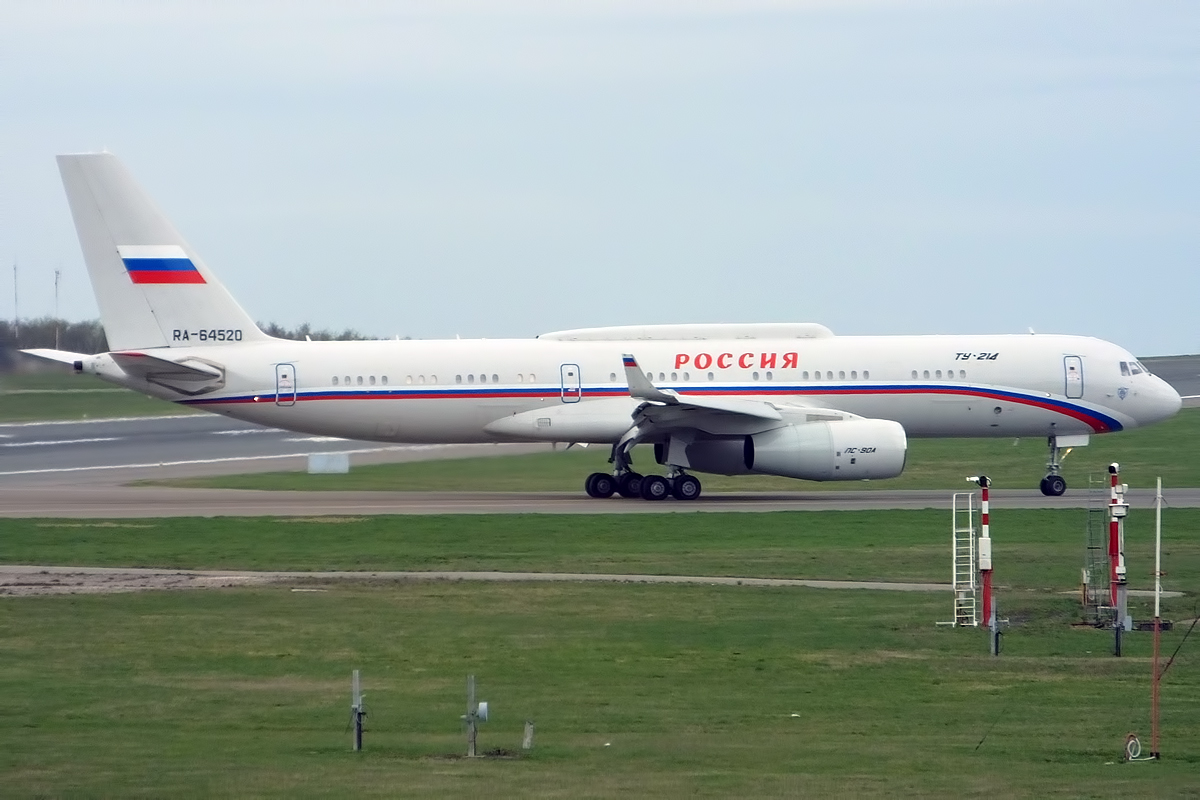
x,y
61,356
189,376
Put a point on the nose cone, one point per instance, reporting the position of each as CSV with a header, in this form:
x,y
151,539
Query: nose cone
x,y
1160,401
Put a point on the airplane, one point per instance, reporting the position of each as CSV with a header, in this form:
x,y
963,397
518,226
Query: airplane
x,y
785,399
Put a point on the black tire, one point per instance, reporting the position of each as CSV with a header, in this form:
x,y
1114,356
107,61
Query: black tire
x,y
599,485
1056,486
1043,487
685,487
655,487
604,485
629,485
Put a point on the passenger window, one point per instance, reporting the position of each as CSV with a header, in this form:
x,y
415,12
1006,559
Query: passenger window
x,y
755,376
768,376
335,380
914,374
804,375
520,377
710,376
962,373
359,381
853,374
866,375
483,378
939,373
470,379
458,378
829,376
408,379
433,378
674,376
347,380
687,377
612,377
662,377
841,375
385,380
372,379
420,379
532,378
925,374
495,379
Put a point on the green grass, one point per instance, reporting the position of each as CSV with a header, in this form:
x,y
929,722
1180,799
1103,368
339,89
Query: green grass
x,y
1165,450
642,690
1036,549
60,395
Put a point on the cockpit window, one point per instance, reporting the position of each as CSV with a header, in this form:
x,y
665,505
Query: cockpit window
x,y
1136,368
1145,369
1124,367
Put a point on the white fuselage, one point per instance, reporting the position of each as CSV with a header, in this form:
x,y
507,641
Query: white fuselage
x,y
550,389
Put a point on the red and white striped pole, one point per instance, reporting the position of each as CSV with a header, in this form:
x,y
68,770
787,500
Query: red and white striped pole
x,y
1114,532
985,549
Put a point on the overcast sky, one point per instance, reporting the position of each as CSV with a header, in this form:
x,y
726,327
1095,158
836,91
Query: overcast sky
x,y
497,168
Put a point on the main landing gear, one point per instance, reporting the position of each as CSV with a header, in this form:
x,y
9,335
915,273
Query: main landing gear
x,y
1053,485
676,484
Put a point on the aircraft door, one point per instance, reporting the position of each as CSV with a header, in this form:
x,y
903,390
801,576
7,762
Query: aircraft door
x,y
572,384
285,385
1073,367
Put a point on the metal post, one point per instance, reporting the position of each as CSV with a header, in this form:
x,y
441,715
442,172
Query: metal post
x,y
1119,593
356,709
57,275
1156,676
471,727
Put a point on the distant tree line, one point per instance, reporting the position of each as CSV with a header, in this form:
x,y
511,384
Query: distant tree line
x,y
305,331
88,337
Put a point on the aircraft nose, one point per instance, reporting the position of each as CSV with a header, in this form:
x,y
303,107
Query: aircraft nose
x,y
1163,402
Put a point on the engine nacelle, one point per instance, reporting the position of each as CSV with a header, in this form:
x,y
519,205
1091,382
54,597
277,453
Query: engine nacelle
x,y
847,450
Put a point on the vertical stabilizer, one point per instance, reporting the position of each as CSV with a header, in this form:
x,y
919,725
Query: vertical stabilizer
x,y
152,288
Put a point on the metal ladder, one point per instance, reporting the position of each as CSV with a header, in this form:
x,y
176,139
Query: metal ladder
x,y
966,569
1097,602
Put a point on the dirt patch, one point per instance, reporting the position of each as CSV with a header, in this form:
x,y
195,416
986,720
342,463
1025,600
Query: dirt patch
x,y
28,583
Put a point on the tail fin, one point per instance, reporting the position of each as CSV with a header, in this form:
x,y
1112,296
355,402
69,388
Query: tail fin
x,y
152,289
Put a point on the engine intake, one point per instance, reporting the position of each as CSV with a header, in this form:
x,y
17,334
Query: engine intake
x,y
846,450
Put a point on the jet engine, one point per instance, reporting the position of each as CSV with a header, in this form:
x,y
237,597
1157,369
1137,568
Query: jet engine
x,y
846,450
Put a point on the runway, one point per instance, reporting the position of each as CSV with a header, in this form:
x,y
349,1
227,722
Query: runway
x,y
123,450
116,502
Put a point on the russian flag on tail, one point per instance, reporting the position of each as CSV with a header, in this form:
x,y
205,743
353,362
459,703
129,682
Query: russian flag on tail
x,y
158,263
629,362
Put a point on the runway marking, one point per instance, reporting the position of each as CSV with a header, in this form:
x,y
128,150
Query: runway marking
x,y
246,431
61,441
103,419
229,459
317,439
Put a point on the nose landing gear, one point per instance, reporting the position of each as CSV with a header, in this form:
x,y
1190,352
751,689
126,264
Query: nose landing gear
x,y
1053,485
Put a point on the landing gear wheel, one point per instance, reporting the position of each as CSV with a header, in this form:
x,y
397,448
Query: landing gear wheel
x,y
600,485
629,485
1054,485
655,487
685,487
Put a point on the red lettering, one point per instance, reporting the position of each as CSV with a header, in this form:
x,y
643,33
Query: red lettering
x,y
742,360
768,360
703,361
681,359
721,360
789,360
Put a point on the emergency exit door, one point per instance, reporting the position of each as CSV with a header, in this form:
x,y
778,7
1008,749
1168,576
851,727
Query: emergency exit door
x,y
1073,367
572,384
285,385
